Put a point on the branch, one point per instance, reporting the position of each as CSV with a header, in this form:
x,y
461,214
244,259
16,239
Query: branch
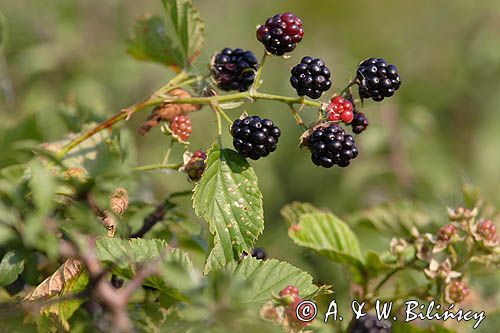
x,y
156,216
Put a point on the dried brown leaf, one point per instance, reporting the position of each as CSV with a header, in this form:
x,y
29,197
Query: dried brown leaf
x,y
54,284
167,112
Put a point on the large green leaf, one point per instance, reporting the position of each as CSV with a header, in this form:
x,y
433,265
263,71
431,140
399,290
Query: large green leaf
x,y
229,199
175,40
392,220
329,236
11,266
150,42
293,211
262,278
176,272
188,26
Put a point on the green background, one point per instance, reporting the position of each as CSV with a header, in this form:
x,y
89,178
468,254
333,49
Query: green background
x,y
440,130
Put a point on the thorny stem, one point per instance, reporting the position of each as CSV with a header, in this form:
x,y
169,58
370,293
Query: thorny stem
x,y
159,97
124,114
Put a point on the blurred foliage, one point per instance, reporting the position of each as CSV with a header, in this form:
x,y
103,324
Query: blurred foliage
x,y
64,64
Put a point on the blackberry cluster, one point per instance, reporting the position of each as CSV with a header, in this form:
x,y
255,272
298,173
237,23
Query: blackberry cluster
x,y
377,79
370,324
359,122
259,253
281,33
311,77
331,145
255,137
234,69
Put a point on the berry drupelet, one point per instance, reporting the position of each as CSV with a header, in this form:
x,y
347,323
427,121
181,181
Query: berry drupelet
x,y
370,324
311,77
281,33
330,146
254,137
181,126
234,69
377,79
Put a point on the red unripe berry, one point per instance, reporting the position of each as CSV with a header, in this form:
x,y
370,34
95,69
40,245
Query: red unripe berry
x,y
334,116
291,314
347,116
289,291
181,126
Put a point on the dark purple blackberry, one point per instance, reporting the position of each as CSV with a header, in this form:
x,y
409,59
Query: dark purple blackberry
x,y
254,137
281,33
259,253
330,145
359,122
234,69
369,324
377,79
311,77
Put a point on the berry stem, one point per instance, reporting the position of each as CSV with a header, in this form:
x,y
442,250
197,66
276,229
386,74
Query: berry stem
x,y
157,167
346,89
256,82
298,119
217,110
169,150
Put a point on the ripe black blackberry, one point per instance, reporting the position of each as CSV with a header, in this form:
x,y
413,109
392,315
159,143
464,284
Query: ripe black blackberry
x,y
259,253
377,79
311,77
281,33
359,122
255,137
234,69
369,324
330,146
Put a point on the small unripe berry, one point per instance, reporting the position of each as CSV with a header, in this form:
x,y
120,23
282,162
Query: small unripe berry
x,y
487,230
181,126
447,232
458,291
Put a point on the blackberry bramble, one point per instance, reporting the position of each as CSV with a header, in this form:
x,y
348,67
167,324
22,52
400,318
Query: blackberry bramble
x,y
377,79
234,69
281,33
254,137
311,77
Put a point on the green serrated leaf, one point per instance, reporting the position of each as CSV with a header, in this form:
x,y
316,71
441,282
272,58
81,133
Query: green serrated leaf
x,y
293,211
392,220
176,270
150,42
11,266
262,278
188,25
329,236
229,199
